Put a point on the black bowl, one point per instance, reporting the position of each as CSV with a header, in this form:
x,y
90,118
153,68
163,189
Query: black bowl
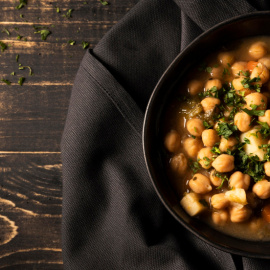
x,y
252,24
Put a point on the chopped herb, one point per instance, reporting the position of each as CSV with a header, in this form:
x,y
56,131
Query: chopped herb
x,y
254,111
21,15
57,9
226,72
206,161
23,67
265,129
85,3
215,150
212,92
194,166
266,148
249,164
234,101
68,14
223,178
208,69
249,83
85,45
6,31
21,4
12,73
44,33
226,130
104,3
25,39
71,42
21,81
207,125
16,28
17,58
19,37
3,46
6,81
194,137
246,140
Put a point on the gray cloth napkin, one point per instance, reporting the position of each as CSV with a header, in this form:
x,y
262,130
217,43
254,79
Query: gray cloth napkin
x,y
112,218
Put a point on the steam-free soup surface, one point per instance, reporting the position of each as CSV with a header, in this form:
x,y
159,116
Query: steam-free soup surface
x,y
216,136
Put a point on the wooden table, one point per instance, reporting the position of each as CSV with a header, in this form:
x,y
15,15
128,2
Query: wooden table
x,y
33,116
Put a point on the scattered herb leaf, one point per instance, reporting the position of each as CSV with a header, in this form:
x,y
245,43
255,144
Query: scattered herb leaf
x,y
6,31
104,3
68,14
44,33
71,42
85,44
21,4
6,81
21,81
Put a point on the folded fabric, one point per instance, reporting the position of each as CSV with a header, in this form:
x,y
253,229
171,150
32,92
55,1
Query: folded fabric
x,y
112,217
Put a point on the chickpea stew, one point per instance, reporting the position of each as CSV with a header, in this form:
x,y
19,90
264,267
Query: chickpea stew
x,y
217,139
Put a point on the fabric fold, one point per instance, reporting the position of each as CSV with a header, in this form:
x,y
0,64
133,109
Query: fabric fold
x,y
112,217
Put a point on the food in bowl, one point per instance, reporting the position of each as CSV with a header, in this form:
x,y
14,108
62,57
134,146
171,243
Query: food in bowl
x,y
216,132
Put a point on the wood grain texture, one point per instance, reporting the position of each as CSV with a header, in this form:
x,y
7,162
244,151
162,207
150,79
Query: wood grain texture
x,y
32,120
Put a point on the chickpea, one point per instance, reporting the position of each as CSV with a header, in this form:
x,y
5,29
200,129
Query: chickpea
x,y
266,117
237,83
172,141
226,58
267,168
200,184
226,144
224,163
195,87
258,50
260,71
219,201
192,146
240,213
243,121
179,164
220,217
239,180
213,83
205,157
195,127
237,67
265,61
210,137
210,103
217,72
256,99
215,180
262,189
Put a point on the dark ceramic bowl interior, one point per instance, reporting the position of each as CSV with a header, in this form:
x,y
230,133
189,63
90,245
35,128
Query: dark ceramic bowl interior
x,y
243,26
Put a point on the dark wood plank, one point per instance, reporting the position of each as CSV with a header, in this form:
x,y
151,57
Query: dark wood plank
x,y
32,120
30,203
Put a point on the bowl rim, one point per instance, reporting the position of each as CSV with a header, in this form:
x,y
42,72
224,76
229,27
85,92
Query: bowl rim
x,y
159,84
